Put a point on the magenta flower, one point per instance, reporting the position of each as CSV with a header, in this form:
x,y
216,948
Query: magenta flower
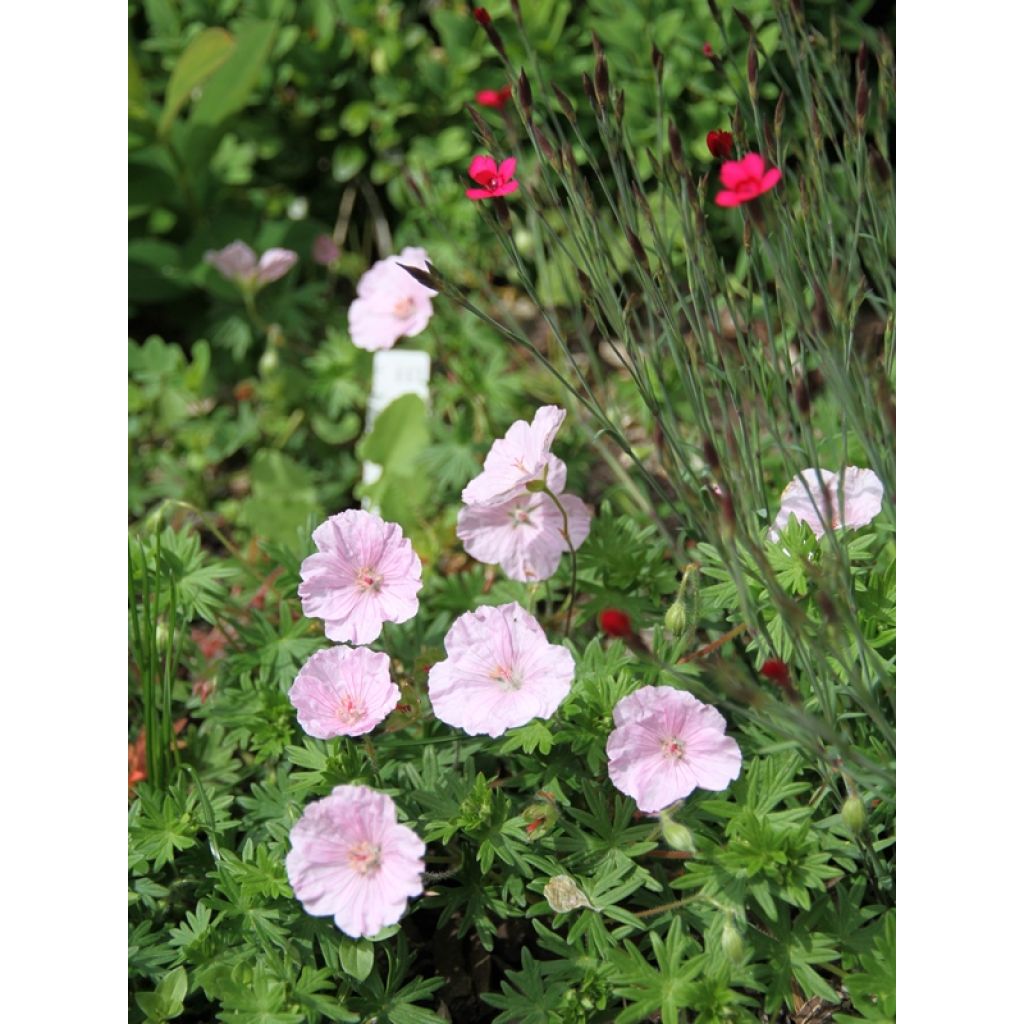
x,y
496,98
238,263
390,303
746,179
350,859
363,574
343,691
521,456
524,534
494,180
804,498
665,744
500,672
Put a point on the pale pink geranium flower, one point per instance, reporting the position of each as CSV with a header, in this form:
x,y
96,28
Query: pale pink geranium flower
x,y
343,691
500,672
363,574
351,860
805,498
390,303
523,535
521,456
665,744
238,263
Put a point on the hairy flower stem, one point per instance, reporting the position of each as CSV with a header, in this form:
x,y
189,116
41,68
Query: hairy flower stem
x,y
714,645
572,553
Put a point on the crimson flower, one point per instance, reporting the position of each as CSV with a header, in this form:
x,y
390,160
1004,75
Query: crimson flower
x,y
481,15
707,50
496,98
720,144
775,670
615,622
746,179
495,181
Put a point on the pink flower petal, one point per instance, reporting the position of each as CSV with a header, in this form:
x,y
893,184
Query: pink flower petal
x,y
753,165
507,168
274,264
771,179
728,199
482,169
506,189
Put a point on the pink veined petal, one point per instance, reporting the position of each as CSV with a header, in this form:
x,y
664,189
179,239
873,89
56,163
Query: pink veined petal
x,y
507,168
479,193
753,165
482,168
236,261
727,199
862,496
771,179
274,264
506,189
371,330
805,498
715,759
361,626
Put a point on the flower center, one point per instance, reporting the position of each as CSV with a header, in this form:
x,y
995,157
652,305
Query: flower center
x,y
367,579
673,749
403,308
508,679
494,183
350,710
364,858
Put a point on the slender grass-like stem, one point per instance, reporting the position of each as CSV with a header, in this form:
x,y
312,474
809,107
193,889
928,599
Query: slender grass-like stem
x,y
572,553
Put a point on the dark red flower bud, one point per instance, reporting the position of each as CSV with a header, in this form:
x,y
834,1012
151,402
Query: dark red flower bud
x,y
708,50
720,144
615,622
481,15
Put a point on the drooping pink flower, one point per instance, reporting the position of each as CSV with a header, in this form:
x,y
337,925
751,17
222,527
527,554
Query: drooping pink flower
x,y
805,498
521,456
500,672
390,303
343,691
325,250
363,574
237,262
496,98
720,144
665,744
351,860
494,180
746,179
523,535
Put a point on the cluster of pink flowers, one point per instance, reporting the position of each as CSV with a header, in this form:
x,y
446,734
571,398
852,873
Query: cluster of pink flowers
x,y
508,520
350,858
852,500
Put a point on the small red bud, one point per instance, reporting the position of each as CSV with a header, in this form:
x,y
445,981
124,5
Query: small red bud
x,y
615,622
708,50
720,144
481,15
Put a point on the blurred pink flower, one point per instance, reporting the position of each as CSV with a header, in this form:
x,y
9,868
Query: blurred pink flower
x,y
390,303
238,263
665,744
524,534
804,498
343,691
746,179
495,181
363,574
500,672
521,456
496,98
325,252
351,859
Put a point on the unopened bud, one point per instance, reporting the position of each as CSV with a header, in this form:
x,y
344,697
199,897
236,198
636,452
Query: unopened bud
x,y
269,361
163,635
588,90
658,62
585,283
540,818
563,895
853,814
679,837
675,147
544,144
748,25
427,278
602,85
525,95
620,105
780,114
638,249
675,618
483,128
565,103
732,943
752,68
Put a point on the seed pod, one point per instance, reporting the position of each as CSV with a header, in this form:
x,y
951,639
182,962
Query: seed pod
x,y
588,90
638,249
620,105
602,85
428,278
492,35
752,68
748,25
586,284
716,14
514,4
658,62
565,103
525,94
544,145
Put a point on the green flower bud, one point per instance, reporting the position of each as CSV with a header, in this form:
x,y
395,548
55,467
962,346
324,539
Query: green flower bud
x,y
679,837
732,942
675,618
536,486
853,814
540,819
563,895
269,362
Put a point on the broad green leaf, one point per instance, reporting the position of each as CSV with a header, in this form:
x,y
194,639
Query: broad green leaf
x,y
228,89
207,52
357,958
